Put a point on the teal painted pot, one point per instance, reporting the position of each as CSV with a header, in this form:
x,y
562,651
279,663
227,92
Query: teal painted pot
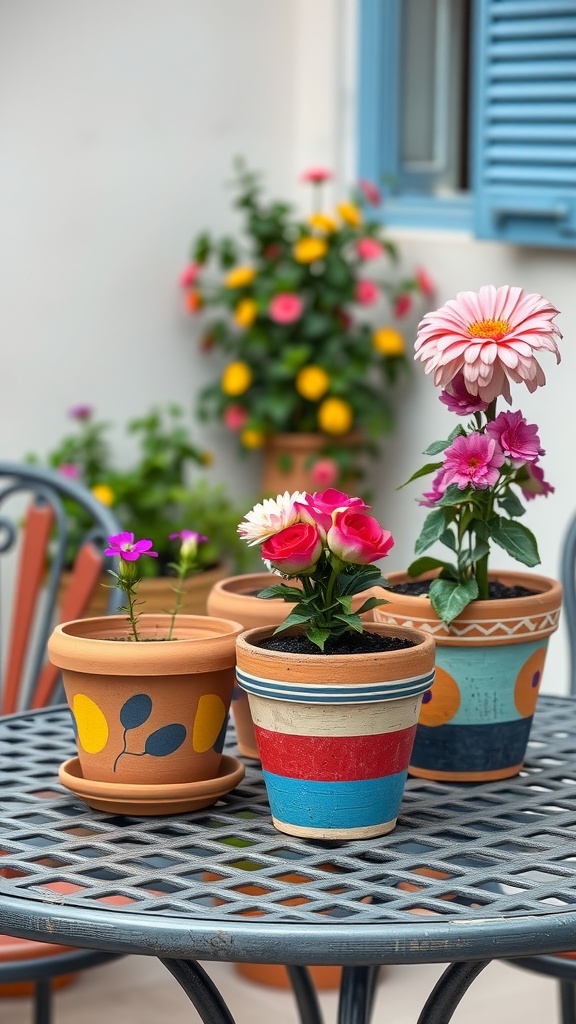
x,y
474,724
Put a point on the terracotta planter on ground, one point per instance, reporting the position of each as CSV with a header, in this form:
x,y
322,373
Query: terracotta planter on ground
x,y
289,458
148,714
475,723
335,732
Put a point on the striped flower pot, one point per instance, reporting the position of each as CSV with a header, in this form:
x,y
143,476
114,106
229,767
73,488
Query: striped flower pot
x,y
475,724
335,732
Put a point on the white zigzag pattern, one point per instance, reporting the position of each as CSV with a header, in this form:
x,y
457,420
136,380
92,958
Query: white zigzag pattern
x,y
530,627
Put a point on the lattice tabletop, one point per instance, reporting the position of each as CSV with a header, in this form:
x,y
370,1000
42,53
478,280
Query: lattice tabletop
x,y
471,870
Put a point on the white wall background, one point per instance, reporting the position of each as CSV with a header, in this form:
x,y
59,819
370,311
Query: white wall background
x,y
118,125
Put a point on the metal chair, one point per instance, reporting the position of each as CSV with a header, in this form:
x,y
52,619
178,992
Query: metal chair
x,y
44,519
563,966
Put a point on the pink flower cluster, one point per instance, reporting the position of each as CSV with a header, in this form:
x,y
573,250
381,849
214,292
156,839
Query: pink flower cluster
x,y
309,526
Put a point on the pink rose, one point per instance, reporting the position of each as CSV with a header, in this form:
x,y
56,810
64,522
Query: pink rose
x,y
285,308
189,275
324,472
235,417
357,538
402,306
294,550
370,192
425,282
316,175
368,248
319,508
366,293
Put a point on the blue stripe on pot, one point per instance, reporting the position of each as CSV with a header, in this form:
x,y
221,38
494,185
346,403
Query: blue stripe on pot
x,y
326,694
471,748
345,805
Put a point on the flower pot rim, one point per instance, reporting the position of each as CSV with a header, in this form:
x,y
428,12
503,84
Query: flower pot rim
x,y
545,587
237,586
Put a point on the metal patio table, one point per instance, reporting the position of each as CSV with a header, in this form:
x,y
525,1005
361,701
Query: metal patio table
x,y
473,872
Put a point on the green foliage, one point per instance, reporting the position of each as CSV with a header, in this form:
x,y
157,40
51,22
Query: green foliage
x,y
332,332
157,494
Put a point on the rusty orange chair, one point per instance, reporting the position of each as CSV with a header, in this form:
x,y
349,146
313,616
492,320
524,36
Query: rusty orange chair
x,y
39,515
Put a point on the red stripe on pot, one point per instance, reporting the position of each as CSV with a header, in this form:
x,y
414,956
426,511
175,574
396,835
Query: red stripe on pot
x,y
335,758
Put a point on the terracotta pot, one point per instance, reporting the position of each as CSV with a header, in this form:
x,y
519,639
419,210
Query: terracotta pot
x,y
289,458
153,712
157,592
475,723
335,732
235,598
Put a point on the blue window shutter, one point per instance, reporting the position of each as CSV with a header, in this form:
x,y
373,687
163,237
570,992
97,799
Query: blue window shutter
x,y
525,121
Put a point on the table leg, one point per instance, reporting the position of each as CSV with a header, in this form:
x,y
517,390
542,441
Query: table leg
x,y
357,994
448,991
305,995
200,990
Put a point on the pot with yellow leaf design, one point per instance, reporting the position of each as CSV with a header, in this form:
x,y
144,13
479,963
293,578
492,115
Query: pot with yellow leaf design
x,y
150,717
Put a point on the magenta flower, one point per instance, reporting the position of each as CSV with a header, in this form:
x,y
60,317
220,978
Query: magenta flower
x,y
235,417
81,412
517,438
368,248
320,507
458,399
370,192
295,549
492,337
357,538
324,472
425,282
124,545
69,470
190,541
189,275
438,486
316,175
472,461
402,306
366,293
536,484
285,308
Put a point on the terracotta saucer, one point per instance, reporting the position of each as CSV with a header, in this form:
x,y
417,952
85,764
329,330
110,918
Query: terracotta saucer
x,y
173,798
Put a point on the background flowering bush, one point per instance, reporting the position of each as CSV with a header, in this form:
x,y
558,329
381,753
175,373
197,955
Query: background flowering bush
x,y
290,305
156,491
475,346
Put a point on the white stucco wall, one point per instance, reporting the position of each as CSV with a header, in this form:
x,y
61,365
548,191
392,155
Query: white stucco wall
x,y
118,124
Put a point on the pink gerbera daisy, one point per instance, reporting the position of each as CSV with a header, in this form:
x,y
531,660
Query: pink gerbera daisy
x,y
472,461
491,336
517,438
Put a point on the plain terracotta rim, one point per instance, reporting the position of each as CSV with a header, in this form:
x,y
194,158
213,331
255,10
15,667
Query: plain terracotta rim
x,y
70,775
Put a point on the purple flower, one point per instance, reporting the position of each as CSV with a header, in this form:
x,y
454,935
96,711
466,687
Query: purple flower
x,y
432,497
472,461
517,438
536,484
458,399
81,412
124,545
69,470
190,541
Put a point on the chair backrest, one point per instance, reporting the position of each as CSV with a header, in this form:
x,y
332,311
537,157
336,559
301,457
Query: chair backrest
x,y
48,525
568,576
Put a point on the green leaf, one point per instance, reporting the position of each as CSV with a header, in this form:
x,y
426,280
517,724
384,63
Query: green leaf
x,y
454,496
279,590
353,621
516,539
433,528
511,504
430,467
370,603
295,619
439,446
449,598
448,540
426,564
469,557
318,636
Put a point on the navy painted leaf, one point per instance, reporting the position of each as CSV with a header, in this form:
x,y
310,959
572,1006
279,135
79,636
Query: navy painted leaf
x,y
136,711
166,740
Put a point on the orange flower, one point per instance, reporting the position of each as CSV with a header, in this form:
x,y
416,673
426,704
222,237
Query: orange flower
x,y
194,301
252,438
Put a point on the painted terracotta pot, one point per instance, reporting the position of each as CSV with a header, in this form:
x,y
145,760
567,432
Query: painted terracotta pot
x,y
335,732
153,712
235,598
289,459
475,723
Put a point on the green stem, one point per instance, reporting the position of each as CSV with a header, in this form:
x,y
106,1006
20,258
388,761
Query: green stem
x,y
482,577
179,590
132,617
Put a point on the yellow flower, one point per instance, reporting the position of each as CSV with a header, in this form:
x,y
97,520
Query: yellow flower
x,y
350,214
252,438
104,494
312,382
245,313
236,379
206,458
308,249
238,277
388,341
322,222
335,416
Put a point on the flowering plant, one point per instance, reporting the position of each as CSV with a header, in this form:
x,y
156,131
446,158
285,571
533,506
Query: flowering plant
x,y
129,552
475,345
154,487
291,305
327,541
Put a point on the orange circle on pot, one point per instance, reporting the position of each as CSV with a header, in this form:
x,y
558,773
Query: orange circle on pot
x,y
528,683
441,702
